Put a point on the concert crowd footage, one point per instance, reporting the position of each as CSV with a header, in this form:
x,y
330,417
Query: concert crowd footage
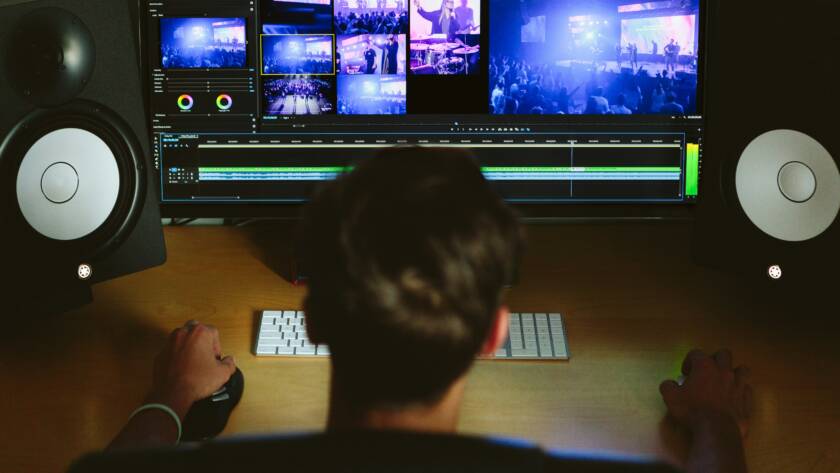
x,y
525,57
594,58
203,43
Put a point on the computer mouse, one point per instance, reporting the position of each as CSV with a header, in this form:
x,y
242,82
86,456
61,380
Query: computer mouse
x,y
208,417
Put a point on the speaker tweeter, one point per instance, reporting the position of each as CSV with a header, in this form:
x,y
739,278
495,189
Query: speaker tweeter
x,y
50,56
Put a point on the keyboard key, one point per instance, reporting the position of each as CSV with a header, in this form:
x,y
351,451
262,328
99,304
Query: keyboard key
x,y
526,353
266,350
305,350
529,334
289,314
285,350
544,343
528,326
515,331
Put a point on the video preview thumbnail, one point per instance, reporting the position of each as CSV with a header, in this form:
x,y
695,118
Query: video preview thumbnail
x,y
299,96
297,54
594,57
371,54
446,37
293,17
353,17
203,43
371,95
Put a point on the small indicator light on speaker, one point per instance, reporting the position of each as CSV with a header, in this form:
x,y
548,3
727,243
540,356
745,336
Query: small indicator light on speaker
x,y
84,272
775,272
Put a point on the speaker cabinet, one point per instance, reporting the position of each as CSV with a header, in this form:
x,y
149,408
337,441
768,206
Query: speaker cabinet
x,y
771,188
79,202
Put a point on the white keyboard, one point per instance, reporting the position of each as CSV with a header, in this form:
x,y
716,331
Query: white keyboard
x,y
531,337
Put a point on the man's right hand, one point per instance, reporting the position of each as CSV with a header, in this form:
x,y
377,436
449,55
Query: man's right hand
x,y
712,392
190,367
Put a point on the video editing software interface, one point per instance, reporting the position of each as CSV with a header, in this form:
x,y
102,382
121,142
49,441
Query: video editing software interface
x,y
257,101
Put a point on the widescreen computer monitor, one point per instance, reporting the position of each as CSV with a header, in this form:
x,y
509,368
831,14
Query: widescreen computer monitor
x,y
575,103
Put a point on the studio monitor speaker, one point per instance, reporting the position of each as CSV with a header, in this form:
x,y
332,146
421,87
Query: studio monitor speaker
x,y
78,201
771,187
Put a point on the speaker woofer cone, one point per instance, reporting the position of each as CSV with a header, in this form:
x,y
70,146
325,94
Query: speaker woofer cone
x,y
788,185
101,127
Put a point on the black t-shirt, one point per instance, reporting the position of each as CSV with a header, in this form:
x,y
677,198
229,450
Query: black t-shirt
x,y
370,58
363,452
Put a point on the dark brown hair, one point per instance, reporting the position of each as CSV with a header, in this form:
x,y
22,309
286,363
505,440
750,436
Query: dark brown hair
x,y
407,257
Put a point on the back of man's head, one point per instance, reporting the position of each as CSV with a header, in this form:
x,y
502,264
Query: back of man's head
x,y
407,259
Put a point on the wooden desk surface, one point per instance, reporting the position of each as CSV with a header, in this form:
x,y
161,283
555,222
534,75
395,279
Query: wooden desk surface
x,y
633,303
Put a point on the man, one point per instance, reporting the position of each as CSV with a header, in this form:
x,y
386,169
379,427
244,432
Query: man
x,y
657,97
497,97
671,56
390,50
620,107
655,49
370,58
618,55
408,257
443,21
465,15
597,104
671,106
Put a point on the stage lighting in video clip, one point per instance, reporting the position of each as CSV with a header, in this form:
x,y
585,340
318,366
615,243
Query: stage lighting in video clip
x,y
588,57
354,17
203,43
299,96
297,54
371,54
371,95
